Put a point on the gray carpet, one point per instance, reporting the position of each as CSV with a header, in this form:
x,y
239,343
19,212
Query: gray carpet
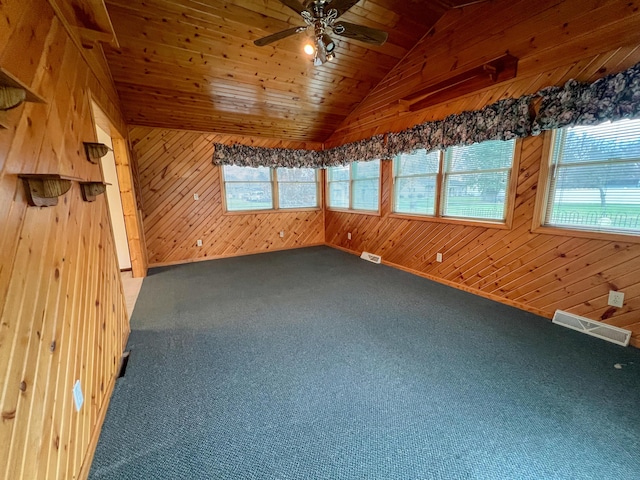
x,y
314,364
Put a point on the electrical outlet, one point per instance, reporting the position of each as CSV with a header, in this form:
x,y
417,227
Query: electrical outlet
x,y
281,233
616,299
196,196
438,257
349,236
199,243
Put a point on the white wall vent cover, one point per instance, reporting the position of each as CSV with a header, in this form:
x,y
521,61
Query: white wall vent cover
x,y
592,327
370,257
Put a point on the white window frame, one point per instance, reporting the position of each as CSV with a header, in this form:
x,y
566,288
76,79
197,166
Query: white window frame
x,y
351,181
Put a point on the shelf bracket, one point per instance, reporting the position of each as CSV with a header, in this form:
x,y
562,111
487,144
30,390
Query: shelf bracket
x,y
90,190
43,190
12,94
95,151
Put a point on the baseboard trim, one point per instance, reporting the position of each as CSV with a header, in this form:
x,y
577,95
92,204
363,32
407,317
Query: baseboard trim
x,y
232,255
83,474
480,293
85,468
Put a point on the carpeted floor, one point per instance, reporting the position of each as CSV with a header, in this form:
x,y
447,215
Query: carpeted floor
x,y
314,364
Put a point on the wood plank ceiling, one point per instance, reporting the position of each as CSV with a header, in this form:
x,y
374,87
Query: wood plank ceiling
x,y
192,64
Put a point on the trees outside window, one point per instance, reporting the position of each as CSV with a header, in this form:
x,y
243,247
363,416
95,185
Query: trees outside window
x,y
461,182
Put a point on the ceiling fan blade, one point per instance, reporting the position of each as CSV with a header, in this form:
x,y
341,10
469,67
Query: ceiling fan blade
x,y
342,5
293,5
360,32
261,42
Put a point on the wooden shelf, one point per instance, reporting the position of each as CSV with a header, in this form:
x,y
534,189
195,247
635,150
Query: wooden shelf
x,y
486,75
43,190
95,151
87,20
13,93
90,190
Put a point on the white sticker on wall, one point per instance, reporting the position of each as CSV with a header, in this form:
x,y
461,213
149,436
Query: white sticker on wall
x,y
78,398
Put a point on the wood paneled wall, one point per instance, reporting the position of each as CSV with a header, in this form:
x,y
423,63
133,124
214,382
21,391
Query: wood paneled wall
x,y
175,164
63,315
554,40
536,272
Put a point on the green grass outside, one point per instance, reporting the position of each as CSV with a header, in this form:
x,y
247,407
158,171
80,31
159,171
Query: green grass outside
x,y
619,215
237,204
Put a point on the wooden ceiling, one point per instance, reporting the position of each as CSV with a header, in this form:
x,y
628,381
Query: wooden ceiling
x,y
192,64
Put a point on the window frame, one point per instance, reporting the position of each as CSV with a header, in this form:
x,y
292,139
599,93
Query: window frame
x,y
438,187
351,181
542,200
510,196
275,197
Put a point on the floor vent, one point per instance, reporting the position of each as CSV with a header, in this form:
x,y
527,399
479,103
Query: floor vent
x,y
123,364
601,330
370,257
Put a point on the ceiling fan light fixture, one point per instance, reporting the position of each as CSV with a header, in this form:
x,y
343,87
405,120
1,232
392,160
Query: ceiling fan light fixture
x,y
320,17
329,44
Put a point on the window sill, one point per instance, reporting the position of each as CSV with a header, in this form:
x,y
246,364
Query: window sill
x,y
571,232
456,221
372,213
271,210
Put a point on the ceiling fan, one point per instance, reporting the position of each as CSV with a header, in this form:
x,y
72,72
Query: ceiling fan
x,y
320,17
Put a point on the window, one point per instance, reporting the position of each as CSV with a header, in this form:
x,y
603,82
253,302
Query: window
x,y
297,187
461,182
476,179
594,178
264,188
355,186
415,182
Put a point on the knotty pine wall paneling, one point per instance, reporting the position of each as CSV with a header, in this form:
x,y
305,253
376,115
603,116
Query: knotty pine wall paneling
x,y
534,271
553,40
175,164
62,310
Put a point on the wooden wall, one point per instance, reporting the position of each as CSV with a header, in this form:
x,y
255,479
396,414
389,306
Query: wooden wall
x,y
62,309
175,164
537,272
553,39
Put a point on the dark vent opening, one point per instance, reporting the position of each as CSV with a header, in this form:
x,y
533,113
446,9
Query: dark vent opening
x,y
123,364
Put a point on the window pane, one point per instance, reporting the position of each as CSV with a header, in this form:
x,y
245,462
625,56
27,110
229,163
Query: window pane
x,y
365,194
338,173
361,170
595,182
414,187
233,173
296,175
480,156
416,163
476,180
477,195
595,143
415,195
596,197
297,195
339,194
248,196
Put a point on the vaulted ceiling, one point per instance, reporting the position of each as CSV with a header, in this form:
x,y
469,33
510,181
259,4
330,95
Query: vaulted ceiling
x,y
192,64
